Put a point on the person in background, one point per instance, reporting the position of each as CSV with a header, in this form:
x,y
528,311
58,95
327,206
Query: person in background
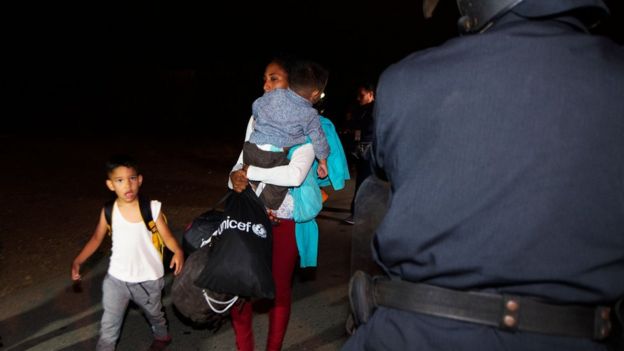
x,y
295,233
363,137
504,148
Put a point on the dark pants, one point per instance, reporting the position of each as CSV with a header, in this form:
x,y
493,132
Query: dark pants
x,y
362,170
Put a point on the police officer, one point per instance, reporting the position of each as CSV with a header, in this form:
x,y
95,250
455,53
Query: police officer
x,y
505,151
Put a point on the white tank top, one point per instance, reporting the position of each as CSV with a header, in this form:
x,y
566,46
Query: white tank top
x,y
134,258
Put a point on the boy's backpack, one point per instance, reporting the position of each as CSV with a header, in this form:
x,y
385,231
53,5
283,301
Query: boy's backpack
x,y
146,214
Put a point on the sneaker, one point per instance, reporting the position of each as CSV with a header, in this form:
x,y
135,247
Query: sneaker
x,y
349,220
160,343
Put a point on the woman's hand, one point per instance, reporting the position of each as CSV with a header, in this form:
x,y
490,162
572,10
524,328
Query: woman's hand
x,y
239,179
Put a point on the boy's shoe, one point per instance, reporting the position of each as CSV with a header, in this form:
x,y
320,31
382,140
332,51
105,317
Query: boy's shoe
x,y
160,343
349,220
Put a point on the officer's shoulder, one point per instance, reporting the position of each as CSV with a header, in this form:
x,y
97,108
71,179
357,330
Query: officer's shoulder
x,y
414,61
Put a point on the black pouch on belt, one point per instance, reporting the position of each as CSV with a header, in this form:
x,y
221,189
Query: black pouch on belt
x,y
361,297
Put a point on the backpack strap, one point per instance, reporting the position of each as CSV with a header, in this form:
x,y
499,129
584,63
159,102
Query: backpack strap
x,y
146,214
108,215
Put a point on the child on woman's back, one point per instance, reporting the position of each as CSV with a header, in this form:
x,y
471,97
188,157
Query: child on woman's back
x,y
284,118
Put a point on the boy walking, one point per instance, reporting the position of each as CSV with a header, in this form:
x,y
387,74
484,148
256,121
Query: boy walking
x,y
284,118
136,270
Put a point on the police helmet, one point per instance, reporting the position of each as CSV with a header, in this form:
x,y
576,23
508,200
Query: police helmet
x,y
478,15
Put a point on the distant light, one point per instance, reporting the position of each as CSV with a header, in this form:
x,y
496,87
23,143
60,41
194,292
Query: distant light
x,y
322,95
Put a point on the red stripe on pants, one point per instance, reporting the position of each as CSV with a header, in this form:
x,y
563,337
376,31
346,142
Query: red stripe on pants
x,y
284,260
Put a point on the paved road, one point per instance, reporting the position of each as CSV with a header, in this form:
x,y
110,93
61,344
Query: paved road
x,y
55,316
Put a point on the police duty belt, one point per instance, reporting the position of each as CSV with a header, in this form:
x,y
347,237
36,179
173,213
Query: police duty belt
x,y
506,312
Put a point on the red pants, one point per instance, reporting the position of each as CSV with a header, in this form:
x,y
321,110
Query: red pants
x,y
284,260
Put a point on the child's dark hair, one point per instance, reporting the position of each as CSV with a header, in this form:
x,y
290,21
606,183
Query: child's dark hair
x,y
306,76
120,160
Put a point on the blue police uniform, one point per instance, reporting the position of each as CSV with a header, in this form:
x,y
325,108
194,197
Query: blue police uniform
x,y
505,151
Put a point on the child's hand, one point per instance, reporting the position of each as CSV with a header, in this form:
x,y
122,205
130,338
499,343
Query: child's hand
x,y
322,170
178,261
75,271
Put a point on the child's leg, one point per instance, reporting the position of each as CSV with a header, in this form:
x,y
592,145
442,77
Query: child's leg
x,y
148,296
242,325
284,260
115,298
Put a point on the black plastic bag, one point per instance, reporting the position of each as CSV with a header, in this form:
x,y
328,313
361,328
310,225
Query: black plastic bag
x,y
240,255
198,233
192,301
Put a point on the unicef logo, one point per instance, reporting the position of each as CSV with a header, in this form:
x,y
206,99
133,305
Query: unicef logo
x,y
232,224
259,230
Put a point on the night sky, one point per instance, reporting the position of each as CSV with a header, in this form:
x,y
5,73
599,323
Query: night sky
x,y
172,66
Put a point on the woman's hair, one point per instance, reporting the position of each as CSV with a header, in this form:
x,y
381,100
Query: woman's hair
x,y
284,60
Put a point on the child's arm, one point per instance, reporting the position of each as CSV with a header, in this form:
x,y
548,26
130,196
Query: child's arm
x,y
90,247
319,141
322,168
171,243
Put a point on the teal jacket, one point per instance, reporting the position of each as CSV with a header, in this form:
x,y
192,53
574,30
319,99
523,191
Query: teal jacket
x,y
307,197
